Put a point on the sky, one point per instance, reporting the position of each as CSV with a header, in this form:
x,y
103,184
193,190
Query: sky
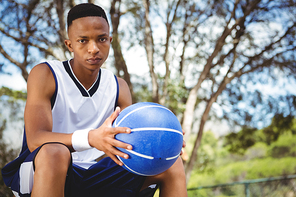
x,y
14,81
137,64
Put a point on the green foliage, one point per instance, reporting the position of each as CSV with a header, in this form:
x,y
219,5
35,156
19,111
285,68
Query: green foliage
x,y
11,102
239,142
259,150
207,152
269,167
245,170
142,93
13,94
177,97
175,101
259,160
6,155
285,146
279,125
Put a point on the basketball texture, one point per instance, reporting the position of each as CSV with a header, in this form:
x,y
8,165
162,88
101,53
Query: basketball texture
x,y
156,136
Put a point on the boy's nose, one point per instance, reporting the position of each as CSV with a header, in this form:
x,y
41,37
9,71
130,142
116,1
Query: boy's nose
x,y
93,48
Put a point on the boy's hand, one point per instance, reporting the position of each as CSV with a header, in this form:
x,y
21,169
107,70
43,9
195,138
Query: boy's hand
x,y
184,143
103,138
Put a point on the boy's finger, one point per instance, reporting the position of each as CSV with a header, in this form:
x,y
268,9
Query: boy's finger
x,y
116,160
117,152
184,144
119,144
117,130
115,113
113,116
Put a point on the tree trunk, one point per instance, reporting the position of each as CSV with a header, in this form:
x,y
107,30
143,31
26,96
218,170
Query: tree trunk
x,y
190,165
62,26
119,64
192,98
149,47
166,57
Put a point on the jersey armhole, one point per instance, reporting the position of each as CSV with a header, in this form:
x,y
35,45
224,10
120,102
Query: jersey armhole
x,y
54,96
117,92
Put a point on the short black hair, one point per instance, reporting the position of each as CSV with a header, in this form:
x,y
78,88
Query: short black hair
x,y
84,10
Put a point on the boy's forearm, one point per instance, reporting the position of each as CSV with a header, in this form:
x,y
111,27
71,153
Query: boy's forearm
x,y
41,137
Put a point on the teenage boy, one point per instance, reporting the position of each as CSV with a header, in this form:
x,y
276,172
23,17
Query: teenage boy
x,y
68,116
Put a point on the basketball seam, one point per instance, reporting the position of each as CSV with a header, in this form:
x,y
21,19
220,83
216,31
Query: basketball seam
x,y
116,124
132,169
140,155
149,157
170,158
157,128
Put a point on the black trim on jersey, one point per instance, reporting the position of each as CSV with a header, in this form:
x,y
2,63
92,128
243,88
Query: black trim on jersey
x,y
79,86
83,91
117,93
94,88
54,96
38,149
24,145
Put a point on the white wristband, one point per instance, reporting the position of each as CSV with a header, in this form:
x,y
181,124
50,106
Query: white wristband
x,y
80,140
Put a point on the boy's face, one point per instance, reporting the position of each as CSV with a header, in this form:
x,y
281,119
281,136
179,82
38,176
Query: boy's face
x,y
89,40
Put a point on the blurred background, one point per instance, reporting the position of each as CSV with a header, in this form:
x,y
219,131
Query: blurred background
x,y
226,68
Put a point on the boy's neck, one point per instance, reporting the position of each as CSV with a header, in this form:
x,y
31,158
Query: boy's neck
x,y
85,76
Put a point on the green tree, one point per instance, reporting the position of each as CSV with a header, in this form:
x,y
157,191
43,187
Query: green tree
x,y
241,141
6,155
285,146
219,46
207,153
12,102
32,29
279,125
198,52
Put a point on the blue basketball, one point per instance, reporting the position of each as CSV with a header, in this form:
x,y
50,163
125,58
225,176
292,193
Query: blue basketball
x,y
156,136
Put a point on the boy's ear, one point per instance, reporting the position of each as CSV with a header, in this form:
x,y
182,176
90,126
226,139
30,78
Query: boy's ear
x,y
69,45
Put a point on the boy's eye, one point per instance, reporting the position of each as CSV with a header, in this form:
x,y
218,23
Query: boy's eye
x,y
102,39
82,41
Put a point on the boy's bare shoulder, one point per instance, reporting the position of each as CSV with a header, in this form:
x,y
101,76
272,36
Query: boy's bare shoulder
x,y
122,83
41,79
40,69
125,98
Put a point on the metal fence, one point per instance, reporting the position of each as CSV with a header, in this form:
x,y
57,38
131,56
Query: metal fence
x,y
284,186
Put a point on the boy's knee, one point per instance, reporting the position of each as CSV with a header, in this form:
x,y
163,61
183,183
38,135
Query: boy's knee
x,y
176,170
174,173
51,155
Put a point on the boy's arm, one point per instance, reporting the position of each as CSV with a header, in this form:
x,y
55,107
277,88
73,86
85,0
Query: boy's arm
x,y
38,116
124,98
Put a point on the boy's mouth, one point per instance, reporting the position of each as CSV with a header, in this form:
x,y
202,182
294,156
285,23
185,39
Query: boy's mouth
x,y
94,60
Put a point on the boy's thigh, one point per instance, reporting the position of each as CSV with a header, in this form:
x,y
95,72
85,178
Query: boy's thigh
x,y
105,178
27,171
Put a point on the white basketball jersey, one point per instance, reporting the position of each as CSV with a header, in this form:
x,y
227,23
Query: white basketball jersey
x,y
75,108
